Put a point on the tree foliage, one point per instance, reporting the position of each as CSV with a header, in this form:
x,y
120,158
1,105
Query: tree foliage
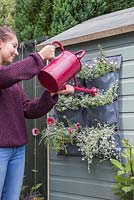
x,y
32,18
7,12
67,13
36,18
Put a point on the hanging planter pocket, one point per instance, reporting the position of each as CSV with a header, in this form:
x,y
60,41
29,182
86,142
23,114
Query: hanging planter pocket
x,y
73,116
71,150
103,82
107,113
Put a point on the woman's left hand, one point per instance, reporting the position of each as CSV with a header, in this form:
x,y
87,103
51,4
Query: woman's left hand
x,y
69,89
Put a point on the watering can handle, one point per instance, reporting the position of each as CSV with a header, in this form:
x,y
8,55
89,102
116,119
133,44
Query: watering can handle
x,y
60,45
82,54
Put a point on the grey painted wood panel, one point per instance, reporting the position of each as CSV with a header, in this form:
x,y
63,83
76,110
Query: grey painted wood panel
x,y
126,104
78,186
127,121
127,69
66,196
126,86
126,52
59,169
128,135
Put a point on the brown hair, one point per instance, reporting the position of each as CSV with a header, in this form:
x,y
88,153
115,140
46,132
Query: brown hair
x,y
5,33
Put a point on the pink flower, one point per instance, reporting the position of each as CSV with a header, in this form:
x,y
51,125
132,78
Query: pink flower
x,y
35,198
50,120
70,130
35,131
77,125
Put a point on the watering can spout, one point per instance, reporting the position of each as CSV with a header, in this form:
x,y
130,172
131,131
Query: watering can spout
x,y
93,91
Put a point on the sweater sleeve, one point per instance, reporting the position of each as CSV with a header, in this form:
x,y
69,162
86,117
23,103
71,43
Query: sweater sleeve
x,y
20,70
40,106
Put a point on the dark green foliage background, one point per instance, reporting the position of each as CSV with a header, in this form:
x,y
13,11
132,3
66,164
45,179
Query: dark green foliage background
x,y
36,18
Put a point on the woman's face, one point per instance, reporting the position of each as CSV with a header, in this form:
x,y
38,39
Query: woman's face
x,y
8,50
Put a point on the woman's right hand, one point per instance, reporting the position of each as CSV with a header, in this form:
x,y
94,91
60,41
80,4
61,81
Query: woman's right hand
x,y
47,52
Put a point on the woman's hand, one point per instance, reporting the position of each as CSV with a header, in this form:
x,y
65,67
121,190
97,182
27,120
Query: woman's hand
x,y
69,89
47,52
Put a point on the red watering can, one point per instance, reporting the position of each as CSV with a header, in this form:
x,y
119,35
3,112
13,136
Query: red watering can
x,y
59,71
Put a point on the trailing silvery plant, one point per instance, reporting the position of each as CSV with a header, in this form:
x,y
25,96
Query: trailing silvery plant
x,y
97,142
124,186
101,99
87,101
68,102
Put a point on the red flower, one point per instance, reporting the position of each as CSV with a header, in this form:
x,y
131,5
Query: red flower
x,y
50,120
35,131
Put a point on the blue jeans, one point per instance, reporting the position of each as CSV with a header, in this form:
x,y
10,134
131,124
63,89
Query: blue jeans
x,y
12,162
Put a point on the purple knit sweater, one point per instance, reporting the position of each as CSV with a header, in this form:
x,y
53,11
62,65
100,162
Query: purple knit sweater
x,y
15,106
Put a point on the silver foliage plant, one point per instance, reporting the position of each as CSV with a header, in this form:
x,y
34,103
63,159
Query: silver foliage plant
x,y
75,102
98,142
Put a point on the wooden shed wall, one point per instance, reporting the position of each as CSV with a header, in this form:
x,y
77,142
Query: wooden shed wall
x,y
69,177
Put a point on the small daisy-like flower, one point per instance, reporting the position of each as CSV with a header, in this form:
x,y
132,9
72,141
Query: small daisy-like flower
x,y
35,131
50,120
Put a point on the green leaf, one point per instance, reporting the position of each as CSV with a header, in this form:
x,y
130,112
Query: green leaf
x,y
117,164
120,179
36,187
128,168
120,173
126,189
35,171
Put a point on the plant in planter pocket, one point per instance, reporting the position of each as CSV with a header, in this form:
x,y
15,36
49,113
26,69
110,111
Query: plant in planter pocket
x,y
124,186
92,142
58,136
98,142
86,101
98,67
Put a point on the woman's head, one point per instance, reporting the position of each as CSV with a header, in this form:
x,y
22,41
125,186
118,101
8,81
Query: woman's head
x,y
6,33
8,45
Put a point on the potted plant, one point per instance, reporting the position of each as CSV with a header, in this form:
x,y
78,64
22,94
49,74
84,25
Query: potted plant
x,y
124,185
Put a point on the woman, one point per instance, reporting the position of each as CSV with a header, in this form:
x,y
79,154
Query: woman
x,y
15,106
